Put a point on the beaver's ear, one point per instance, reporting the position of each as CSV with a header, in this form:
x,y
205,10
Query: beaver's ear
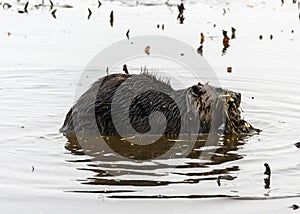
x,y
200,84
195,90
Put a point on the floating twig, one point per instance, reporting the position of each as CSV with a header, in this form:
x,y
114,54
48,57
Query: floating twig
x,y
53,13
111,18
90,13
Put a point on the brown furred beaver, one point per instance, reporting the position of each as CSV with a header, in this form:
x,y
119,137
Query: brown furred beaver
x,y
131,99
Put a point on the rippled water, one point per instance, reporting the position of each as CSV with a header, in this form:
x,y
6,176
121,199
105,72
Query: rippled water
x,y
39,74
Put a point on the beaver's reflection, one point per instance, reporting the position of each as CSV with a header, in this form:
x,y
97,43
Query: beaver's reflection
x,y
108,168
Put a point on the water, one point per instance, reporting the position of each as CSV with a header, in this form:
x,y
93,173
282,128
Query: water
x,y
40,68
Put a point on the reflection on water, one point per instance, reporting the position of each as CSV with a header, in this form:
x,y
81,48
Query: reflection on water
x,y
195,168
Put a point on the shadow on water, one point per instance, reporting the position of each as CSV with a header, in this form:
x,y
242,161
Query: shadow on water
x,y
193,168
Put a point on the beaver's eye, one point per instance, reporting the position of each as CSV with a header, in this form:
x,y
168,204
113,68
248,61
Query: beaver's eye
x,y
195,91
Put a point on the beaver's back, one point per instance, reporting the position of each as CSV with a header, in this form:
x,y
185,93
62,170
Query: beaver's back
x,y
93,109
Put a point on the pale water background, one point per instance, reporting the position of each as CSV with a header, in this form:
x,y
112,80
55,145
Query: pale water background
x,y
43,57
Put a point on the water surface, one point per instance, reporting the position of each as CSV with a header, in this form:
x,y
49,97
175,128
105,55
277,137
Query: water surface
x,y
39,74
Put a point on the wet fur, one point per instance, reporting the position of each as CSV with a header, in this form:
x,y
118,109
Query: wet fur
x,y
199,99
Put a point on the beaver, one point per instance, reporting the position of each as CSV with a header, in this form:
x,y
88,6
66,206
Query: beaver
x,y
198,109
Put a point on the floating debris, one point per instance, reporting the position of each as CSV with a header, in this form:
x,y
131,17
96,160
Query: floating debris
x,y
224,50
99,4
53,13
180,8
181,19
294,207
111,18
66,6
90,13
125,69
6,6
227,177
25,8
268,173
180,16
268,170
127,34
200,50
147,50
51,4
225,42
224,177
229,69
233,30
267,182
224,11
37,6
202,38
225,39
219,181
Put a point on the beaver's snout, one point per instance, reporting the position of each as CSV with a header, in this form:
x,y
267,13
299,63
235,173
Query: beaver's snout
x,y
219,110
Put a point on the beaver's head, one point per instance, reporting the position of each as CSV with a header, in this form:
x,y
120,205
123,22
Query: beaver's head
x,y
219,110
